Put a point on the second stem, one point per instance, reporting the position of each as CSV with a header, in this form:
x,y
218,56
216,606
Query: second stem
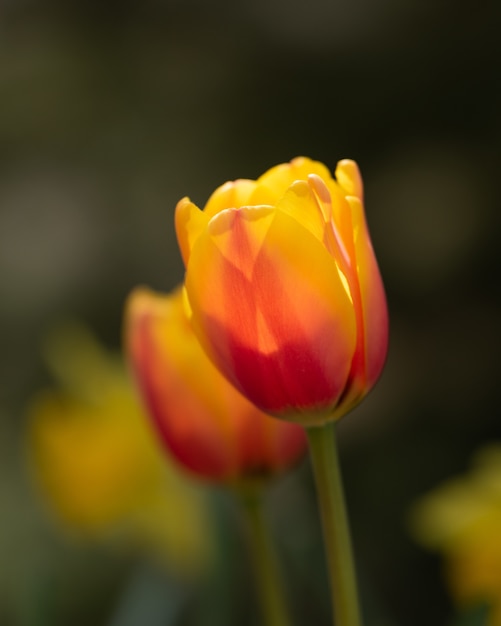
x,y
268,579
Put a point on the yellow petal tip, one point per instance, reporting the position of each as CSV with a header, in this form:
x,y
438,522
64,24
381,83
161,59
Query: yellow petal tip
x,y
190,221
349,178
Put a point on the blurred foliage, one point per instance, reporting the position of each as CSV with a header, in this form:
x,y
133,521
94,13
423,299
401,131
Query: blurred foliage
x,y
97,462
110,112
474,617
102,477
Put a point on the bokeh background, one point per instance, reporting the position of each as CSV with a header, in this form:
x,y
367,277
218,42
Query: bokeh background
x,y
112,111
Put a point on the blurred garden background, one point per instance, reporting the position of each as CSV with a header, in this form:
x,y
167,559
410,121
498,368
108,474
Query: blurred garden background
x,y
110,112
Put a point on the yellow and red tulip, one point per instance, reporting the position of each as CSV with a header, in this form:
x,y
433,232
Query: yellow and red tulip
x,y
205,423
284,291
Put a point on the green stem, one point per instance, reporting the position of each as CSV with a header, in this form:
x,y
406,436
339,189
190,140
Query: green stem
x,y
323,453
267,574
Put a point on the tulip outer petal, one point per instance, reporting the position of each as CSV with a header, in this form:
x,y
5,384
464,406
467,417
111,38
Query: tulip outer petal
x,y
289,341
190,221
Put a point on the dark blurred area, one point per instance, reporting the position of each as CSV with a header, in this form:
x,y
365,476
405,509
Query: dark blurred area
x,y
110,112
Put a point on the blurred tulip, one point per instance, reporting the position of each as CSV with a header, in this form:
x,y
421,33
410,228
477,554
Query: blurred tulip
x,y
462,520
207,425
97,463
284,289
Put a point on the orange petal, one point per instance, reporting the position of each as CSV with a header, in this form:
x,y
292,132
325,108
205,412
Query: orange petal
x,y
271,309
374,307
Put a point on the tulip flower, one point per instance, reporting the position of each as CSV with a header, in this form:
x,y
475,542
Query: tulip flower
x,y
284,291
205,423
285,296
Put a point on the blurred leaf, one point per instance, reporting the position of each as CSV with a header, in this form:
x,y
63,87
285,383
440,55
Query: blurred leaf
x,y
476,616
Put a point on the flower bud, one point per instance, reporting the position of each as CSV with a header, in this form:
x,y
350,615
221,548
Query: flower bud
x,y
284,291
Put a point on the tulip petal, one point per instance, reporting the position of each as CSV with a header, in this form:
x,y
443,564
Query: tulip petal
x,y
288,344
335,213
300,203
231,195
349,178
190,221
163,372
374,307
271,185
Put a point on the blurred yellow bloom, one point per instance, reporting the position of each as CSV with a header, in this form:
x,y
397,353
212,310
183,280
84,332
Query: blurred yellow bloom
x,y
97,463
462,520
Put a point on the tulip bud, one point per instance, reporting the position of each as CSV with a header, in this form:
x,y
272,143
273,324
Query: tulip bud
x,y
284,291
204,422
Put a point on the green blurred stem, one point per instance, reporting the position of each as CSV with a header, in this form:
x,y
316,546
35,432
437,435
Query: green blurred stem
x,y
324,457
267,573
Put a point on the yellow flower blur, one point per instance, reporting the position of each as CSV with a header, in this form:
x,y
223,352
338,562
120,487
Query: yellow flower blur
x,y
462,520
96,462
284,289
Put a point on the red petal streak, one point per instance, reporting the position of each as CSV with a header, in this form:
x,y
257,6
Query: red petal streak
x,y
265,325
